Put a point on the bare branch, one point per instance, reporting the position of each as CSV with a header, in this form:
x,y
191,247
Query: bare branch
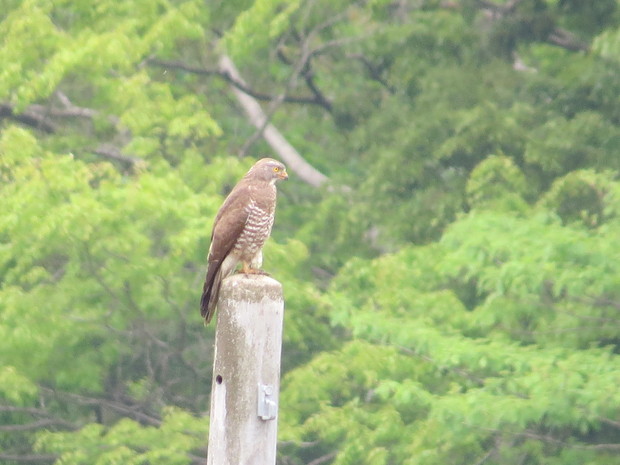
x,y
185,67
274,138
232,80
47,420
308,75
28,117
563,38
549,439
42,116
373,70
605,447
28,458
329,22
560,37
323,458
552,440
62,112
38,425
113,153
610,422
130,411
30,410
325,46
300,64
302,444
486,456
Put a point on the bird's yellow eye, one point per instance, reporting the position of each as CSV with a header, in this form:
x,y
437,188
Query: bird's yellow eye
x,y
276,169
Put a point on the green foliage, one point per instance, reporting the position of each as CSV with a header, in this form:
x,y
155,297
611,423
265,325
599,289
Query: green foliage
x,y
584,196
451,292
129,442
16,388
607,44
588,17
518,356
592,143
71,262
255,27
497,183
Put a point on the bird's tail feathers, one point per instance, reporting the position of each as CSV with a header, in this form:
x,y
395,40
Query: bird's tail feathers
x,y
211,290
210,293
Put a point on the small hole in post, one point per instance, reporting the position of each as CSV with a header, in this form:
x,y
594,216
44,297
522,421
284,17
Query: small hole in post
x,y
218,379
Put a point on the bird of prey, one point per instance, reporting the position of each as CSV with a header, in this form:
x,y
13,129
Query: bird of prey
x,y
241,227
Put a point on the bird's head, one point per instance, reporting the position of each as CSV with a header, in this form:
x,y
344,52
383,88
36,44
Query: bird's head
x,y
269,170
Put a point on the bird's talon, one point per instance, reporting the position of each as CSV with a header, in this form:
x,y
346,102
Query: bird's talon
x,y
253,271
250,271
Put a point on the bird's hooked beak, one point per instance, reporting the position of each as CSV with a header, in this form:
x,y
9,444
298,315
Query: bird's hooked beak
x,y
283,175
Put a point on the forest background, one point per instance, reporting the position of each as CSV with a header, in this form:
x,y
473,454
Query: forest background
x,y
447,241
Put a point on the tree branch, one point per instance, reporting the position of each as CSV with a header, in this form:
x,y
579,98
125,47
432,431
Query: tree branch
x,y
29,118
300,64
41,116
128,410
30,410
113,153
559,37
47,420
485,457
610,422
38,425
28,458
374,71
272,136
549,439
323,458
563,38
72,112
232,80
308,75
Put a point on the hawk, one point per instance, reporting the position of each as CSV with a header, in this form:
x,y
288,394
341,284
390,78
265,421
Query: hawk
x,y
241,227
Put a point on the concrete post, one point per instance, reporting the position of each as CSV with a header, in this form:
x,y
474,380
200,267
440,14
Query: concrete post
x,y
246,372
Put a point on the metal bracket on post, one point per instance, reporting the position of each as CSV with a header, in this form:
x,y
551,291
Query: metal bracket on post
x,y
267,406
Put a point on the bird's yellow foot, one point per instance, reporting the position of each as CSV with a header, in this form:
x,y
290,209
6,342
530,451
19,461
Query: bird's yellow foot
x,y
250,270
247,269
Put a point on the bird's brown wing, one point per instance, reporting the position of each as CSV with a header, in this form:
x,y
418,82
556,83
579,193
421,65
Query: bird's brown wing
x,y
228,225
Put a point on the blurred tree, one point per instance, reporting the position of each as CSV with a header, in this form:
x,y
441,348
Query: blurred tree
x,y
451,286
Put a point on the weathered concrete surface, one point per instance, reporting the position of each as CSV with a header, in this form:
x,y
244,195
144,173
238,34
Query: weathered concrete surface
x,y
248,345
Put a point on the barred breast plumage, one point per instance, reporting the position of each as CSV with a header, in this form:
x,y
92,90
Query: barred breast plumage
x,y
257,228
